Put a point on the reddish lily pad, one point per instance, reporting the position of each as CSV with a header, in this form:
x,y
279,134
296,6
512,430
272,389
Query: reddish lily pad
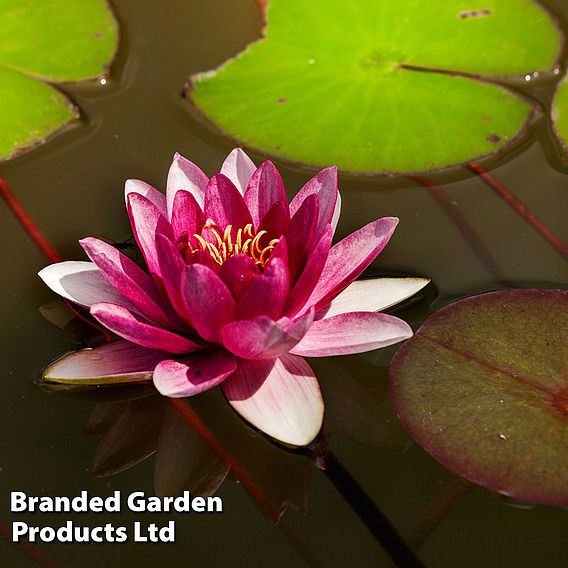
x,y
483,387
382,87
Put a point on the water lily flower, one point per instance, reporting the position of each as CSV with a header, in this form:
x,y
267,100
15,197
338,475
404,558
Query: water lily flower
x,y
241,285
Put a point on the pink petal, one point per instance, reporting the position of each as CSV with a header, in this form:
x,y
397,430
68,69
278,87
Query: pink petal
x,y
264,190
280,251
82,283
324,185
130,281
263,338
238,273
238,167
375,294
208,301
301,233
187,216
267,294
116,362
128,325
184,175
281,397
349,257
224,204
193,374
203,257
147,221
354,332
310,275
147,191
172,267
336,213
275,222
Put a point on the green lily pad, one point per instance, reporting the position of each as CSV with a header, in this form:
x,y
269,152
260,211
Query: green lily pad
x,y
376,86
560,113
483,387
42,43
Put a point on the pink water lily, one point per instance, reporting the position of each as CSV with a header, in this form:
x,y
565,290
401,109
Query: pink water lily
x,y
240,285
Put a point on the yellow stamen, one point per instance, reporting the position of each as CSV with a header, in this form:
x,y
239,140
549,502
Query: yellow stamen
x,y
246,242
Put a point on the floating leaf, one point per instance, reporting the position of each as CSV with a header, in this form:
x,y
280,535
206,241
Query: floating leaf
x,y
560,113
483,387
53,41
377,86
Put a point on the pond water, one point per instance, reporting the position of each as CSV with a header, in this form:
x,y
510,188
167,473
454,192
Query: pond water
x,y
72,187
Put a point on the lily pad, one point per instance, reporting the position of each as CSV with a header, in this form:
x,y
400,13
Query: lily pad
x,y
560,113
43,43
383,87
483,387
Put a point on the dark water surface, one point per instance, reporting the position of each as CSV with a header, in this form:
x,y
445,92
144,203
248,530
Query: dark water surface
x,y
73,187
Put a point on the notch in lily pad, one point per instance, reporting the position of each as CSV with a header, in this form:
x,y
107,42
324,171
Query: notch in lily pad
x,y
378,87
483,387
43,44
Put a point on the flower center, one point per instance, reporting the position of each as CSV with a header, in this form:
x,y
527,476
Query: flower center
x,y
230,243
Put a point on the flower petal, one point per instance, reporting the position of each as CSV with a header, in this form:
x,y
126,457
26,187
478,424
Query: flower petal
x,y
147,221
374,295
275,222
264,338
128,325
349,257
238,167
354,332
207,299
116,362
267,294
224,204
187,216
302,232
172,267
324,185
130,281
184,175
238,273
336,212
264,190
310,275
281,397
81,282
193,374
146,190
280,251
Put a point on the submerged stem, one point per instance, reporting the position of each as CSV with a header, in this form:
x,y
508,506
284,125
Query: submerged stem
x,y
465,228
27,223
520,208
364,507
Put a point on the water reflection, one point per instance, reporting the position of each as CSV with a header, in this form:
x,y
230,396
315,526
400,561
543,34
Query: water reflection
x,y
134,424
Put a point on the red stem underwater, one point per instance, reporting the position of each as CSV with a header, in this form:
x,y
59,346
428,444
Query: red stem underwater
x,y
29,549
519,208
43,244
465,228
29,226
